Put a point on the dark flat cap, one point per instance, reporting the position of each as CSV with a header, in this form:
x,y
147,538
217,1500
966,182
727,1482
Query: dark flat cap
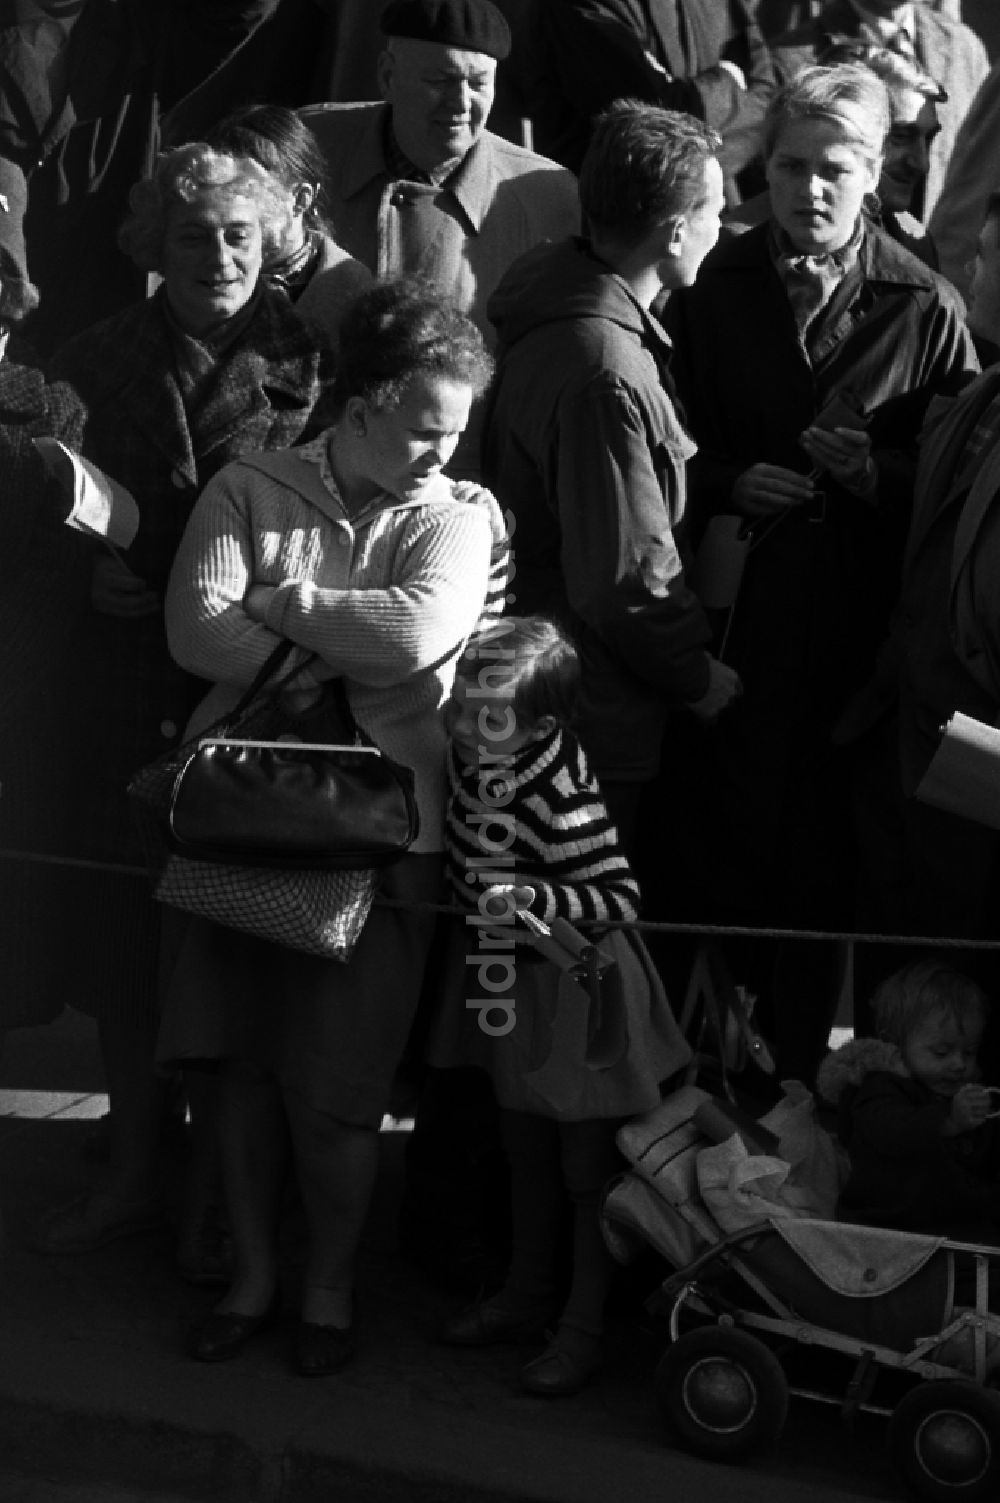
x,y
474,25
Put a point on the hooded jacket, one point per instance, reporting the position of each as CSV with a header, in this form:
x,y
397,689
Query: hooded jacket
x,y
904,1172
585,448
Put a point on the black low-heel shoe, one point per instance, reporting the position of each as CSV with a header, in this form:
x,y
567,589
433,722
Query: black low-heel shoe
x,y
318,1351
221,1336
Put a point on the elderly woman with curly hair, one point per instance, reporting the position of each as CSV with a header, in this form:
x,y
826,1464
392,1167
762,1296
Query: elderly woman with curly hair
x,y
377,568
161,396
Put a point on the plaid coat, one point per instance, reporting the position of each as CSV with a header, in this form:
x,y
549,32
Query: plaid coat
x,y
119,404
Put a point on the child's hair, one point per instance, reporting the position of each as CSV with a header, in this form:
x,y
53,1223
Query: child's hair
x,y
908,996
530,659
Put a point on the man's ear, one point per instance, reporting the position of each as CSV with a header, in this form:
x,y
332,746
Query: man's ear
x,y
674,235
383,72
304,197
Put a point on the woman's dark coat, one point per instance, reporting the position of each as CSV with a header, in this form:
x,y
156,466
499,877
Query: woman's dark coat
x,y
819,583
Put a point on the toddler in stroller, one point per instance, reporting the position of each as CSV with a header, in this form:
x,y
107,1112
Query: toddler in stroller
x,y
920,1131
762,1268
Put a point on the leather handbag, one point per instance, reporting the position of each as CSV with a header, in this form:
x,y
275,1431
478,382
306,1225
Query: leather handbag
x,y
255,863
293,803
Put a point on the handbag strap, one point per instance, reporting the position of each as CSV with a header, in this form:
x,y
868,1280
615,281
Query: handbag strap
x,y
267,671
271,666
339,695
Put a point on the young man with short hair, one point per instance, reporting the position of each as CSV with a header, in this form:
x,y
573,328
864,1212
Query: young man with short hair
x,y
585,446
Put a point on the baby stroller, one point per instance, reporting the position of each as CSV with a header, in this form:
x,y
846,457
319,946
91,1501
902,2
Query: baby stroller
x,y
907,1314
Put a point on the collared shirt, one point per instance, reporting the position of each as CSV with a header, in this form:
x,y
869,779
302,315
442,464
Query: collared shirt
x,y
317,452
401,169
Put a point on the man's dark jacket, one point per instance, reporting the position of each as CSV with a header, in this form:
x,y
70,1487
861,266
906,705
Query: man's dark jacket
x,y
585,448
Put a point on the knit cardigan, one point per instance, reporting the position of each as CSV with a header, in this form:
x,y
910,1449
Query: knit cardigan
x,y
385,598
537,818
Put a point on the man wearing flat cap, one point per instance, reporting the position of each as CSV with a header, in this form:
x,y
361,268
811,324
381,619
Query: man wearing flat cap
x,y
418,185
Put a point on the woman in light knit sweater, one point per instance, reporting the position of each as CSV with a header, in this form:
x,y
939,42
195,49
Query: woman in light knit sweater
x,y
358,549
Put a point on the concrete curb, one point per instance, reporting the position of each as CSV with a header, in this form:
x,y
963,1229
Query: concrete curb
x,y
150,1425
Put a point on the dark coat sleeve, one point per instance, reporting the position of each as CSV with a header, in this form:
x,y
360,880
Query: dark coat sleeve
x,y
602,50
30,409
886,1118
904,1171
201,36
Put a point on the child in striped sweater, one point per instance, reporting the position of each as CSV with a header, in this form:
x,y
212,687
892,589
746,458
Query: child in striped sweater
x,y
528,831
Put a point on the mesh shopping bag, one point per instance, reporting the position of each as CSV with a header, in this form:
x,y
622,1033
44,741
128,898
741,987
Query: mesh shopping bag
x,y
321,912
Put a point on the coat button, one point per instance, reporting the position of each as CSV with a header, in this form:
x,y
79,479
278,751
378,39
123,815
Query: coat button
x,y
178,479
168,728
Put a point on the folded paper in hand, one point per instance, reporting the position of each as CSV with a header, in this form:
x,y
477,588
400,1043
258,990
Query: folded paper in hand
x,y
964,774
99,506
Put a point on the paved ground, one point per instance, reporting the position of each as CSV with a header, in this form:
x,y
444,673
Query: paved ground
x,y
94,1384
16,1488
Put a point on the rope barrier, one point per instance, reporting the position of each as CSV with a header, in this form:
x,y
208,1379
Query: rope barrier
x,y
639,926
36,858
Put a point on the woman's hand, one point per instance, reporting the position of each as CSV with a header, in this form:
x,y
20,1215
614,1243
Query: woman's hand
x,y
846,454
256,602
767,490
116,591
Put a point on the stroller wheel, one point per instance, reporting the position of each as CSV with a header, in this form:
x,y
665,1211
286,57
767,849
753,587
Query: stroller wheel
x,y
944,1440
722,1391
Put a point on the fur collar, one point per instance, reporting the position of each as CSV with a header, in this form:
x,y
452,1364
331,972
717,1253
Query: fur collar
x,y
848,1066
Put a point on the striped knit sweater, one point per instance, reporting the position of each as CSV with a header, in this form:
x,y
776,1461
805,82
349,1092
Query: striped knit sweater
x,y
546,825
386,599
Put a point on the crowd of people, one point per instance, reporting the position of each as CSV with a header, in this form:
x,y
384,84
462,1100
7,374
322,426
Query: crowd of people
x,y
479,424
